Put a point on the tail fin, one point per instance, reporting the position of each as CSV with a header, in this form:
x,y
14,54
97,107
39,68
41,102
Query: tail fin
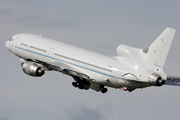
x,y
158,50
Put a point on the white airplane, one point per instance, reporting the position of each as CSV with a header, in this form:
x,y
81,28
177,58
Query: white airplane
x,y
132,68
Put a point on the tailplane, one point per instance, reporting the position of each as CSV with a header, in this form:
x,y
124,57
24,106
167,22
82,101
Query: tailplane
x,y
158,50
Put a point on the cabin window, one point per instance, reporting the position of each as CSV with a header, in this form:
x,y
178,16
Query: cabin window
x,y
82,62
38,49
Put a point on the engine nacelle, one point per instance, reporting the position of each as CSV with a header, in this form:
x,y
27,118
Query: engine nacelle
x,y
156,80
32,69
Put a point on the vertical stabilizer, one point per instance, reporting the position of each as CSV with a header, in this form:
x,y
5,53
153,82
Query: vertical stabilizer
x,y
158,50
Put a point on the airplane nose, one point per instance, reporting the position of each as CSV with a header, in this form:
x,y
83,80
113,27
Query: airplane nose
x,y
6,44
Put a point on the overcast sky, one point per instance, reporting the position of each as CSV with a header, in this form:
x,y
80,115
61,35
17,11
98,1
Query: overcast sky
x,y
97,25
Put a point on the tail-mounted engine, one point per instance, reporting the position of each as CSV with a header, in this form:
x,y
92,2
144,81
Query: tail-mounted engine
x,y
32,69
156,80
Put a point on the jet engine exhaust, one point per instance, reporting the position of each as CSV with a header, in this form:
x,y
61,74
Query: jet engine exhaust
x,y
156,80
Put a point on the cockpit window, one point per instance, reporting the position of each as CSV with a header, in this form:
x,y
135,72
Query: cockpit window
x,y
10,39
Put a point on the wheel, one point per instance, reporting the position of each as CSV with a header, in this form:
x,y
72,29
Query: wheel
x,y
74,84
104,90
80,86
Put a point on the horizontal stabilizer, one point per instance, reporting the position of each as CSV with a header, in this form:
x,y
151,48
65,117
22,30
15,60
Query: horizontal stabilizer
x,y
175,81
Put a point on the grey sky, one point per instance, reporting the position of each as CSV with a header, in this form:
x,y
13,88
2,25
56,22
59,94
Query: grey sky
x,y
97,25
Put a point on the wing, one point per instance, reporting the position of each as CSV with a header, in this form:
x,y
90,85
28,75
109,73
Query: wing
x,y
173,81
61,67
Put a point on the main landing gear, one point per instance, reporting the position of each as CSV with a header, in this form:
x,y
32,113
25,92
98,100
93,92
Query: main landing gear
x,y
86,85
103,89
74,84
81,85
77,84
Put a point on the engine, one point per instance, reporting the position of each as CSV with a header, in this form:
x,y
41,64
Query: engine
x,y
32,69
156,80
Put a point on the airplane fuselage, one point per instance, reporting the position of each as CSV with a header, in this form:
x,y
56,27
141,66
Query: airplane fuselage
x,y
128,71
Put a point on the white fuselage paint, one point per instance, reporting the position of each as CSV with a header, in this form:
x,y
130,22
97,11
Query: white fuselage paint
x,y
102,69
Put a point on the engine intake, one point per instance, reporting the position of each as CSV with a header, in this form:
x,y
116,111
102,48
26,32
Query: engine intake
x,y
32,69
156,80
